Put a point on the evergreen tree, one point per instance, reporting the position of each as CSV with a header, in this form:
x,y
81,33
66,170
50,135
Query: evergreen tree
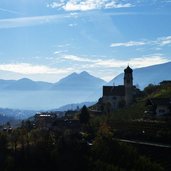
x,y
84,115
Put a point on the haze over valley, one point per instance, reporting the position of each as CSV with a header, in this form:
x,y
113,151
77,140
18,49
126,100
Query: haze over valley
x,y
75,88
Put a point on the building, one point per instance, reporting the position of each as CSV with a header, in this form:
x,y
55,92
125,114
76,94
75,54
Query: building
x,y
115,97
159,106
44,119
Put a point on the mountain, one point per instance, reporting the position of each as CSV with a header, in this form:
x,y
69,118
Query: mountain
x,y
75,88
4,119
74,106
79,82
5,83
38,95
7,113
74,81
24,84
147,75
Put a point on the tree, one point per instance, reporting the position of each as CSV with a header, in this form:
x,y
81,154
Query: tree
x,y
150,89
84,115
3,142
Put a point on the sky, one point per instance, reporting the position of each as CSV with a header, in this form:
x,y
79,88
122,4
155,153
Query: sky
x,y
50,39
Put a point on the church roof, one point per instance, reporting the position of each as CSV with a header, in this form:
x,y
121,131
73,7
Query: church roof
x,y
114,90
128,70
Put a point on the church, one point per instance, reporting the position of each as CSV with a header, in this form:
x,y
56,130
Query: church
x,y
115,97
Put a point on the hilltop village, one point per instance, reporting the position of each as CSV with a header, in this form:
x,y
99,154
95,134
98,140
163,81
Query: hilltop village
x,y
127,129
114,99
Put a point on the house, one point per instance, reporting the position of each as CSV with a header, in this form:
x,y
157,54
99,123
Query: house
x,y
115,97
159,106
45,119
51,121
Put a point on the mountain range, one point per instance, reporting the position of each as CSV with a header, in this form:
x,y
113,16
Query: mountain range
x,y
12,115
74,106
16,113
75,88
74,81
23,84
38,95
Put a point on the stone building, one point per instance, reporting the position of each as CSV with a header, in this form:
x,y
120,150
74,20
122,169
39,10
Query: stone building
x,y
115,97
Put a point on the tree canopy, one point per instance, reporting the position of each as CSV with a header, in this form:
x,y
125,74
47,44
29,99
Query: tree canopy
x,y
84,115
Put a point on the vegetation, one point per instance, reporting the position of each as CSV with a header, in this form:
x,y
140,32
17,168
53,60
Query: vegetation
x,y
94,145
162,90
84,115
28,148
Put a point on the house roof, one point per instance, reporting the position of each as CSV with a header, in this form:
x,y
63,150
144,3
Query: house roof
x,y
114,90
159,101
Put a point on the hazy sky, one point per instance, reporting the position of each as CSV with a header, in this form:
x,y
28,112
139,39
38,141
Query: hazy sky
x,y
49,39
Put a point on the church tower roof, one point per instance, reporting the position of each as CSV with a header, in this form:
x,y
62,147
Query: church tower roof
x,y
128,70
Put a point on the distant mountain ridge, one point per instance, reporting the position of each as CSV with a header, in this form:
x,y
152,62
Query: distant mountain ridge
x,y
38,95
24,84
82,81
75,106
147,75
73,81
16,113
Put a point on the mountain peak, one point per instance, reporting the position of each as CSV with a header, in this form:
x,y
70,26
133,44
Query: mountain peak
x,y
84,73
79,82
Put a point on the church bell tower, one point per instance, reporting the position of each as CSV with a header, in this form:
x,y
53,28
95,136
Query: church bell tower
x,y
128,83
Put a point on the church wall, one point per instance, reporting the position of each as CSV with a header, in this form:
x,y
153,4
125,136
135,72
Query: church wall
x,y
111,103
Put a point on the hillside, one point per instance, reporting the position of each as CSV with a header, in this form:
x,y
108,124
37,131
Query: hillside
x,y
138,108
163,90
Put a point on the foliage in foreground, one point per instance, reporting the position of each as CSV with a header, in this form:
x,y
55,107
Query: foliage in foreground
x,y
32,149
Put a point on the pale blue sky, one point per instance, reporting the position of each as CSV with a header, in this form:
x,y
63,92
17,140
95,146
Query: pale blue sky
x,y
49,39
